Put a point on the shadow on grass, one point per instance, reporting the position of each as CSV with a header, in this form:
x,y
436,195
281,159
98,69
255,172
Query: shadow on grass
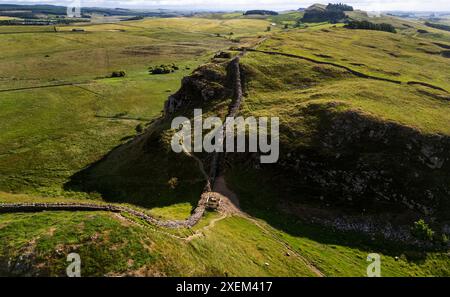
x,y
260,199
138,173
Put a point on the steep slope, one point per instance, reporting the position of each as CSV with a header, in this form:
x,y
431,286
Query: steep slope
x,y
146,171
349,137
358,136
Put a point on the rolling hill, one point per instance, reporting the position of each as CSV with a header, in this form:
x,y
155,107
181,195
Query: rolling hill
x,y
364,142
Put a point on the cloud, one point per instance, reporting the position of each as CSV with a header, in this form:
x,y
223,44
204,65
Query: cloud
x,y
370,5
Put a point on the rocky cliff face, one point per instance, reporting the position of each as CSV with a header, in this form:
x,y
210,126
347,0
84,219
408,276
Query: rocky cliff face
x,y
353,158
207,83
357,159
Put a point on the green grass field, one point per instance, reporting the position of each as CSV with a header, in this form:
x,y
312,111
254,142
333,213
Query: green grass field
x,y
111,245
69,134
395,56
389,101
65,128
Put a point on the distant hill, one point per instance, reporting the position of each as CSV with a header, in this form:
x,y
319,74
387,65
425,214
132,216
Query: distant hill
x,y
43,9
316,6
321,13
32,11
358,15
261,12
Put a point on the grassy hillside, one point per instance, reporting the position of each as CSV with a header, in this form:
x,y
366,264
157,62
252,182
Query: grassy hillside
x,y
294,82
76,113
363,114
286,17
399,57
334,98
38,244
109,245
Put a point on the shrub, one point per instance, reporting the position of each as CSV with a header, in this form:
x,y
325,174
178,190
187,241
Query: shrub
x,y
261,12
163,69
438,26
446,54
135,18
365,25
118,74
223,55
299,24
339,6
422,231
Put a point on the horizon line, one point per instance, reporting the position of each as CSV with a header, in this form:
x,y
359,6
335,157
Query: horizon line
x,y
197,9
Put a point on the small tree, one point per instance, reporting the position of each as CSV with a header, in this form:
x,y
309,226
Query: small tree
x,y
422,231
299,24
163,69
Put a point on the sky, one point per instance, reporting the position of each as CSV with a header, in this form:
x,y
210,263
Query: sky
x,y
368,5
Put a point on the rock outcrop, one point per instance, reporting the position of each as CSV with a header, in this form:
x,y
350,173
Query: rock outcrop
x,y
208,82
358,159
